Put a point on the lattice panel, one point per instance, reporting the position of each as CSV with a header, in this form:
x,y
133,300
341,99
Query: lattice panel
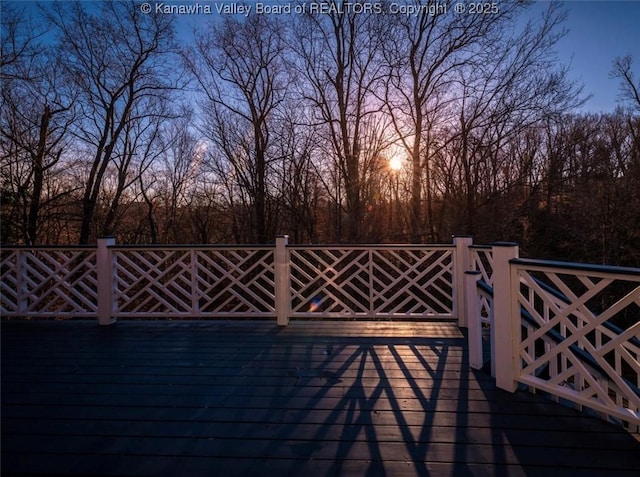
x,y
486,307
581,339
330,281
53,282
236,281
482,261
372,283
188,282
412,282
9,287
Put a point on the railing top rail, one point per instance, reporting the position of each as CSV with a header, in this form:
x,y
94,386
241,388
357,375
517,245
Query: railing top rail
x,y
191,247
234,247
372,246
485,287
480,247
48,247
575,266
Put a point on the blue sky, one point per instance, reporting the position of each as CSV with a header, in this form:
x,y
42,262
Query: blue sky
x,y
599,31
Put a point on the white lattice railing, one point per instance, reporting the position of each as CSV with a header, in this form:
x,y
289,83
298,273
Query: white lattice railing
x,y
193,281
580,335
479,303
570,330
372,281
48,282
282,281
482,262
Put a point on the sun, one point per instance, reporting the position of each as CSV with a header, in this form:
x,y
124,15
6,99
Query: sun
x,y
395,163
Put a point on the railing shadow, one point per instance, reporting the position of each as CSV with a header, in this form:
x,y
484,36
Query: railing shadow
x,y
539,434
388,406
413,403
253,399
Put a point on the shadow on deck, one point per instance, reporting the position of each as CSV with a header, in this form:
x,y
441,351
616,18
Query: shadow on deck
x,y
248,398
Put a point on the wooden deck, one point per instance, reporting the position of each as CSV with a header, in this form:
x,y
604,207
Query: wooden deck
x,y
220,398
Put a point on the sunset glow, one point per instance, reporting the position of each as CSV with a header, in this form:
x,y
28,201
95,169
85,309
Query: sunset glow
x,y
395,163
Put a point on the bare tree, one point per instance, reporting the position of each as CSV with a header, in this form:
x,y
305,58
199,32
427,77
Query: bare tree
x,y
458,87
117,59
20,45
507,91
629,88
35,118
296,180
587,205
338,55
239,67
457,71
168,187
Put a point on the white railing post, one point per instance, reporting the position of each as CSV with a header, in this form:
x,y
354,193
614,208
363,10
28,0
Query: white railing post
x,y
104,268
462,264
474,323
282,281
506,317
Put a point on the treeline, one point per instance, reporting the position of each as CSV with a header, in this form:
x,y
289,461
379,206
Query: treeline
x,y
336,127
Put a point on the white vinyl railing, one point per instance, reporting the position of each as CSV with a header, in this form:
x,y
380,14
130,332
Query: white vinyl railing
x,y
193,282
570,330
482,261
49,282
482,264
112,281
479,302
581,335
372,281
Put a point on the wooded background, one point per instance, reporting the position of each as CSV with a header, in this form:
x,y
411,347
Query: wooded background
x,y
341,127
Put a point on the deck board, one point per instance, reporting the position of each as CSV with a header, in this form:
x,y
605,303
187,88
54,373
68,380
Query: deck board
x,y
249,398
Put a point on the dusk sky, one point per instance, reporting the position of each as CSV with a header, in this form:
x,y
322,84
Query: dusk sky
x,y
599,31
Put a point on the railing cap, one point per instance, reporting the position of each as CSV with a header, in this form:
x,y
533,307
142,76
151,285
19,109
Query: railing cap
x,y
364,246
504,244
585,267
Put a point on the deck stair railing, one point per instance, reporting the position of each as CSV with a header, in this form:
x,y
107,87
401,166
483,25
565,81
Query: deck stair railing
x,y
479,295
569,330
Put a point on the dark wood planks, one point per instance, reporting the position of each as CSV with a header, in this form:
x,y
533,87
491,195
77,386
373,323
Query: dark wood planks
x,y
249,398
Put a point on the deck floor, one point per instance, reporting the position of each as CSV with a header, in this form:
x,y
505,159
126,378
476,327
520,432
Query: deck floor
x,y
244,398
